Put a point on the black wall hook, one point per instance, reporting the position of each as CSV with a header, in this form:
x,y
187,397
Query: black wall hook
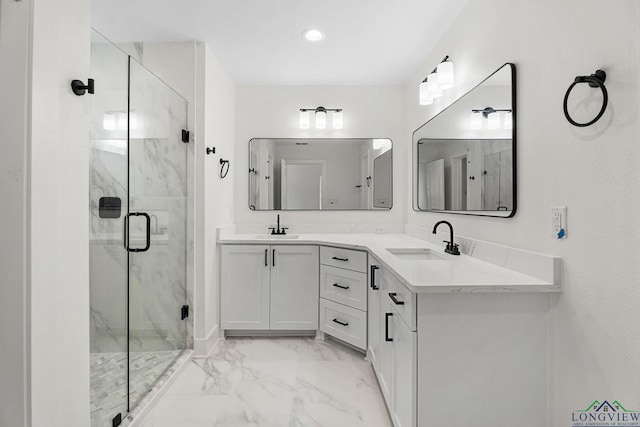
x,y
79,88
595,80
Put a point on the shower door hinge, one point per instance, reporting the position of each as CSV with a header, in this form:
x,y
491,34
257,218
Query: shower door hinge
x,y
117,420
185,136
185,312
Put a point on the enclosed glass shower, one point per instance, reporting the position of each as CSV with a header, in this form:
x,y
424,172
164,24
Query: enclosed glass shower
x,y
138,231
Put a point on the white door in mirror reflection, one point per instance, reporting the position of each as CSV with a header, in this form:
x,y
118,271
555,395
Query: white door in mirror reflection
x,y
434,185
458,183
498,191
301,184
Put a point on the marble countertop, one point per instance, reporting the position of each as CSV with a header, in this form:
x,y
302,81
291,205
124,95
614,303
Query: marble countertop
x,y
451,274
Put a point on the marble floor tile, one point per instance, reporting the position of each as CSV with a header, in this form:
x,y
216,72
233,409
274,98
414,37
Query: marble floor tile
x,y
374,410
279,382
186,411
326,395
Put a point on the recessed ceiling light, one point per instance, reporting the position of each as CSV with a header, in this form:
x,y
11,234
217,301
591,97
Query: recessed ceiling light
x,y
313,35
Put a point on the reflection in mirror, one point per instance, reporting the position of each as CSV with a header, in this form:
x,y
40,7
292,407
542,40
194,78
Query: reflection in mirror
x,y
320,174
464,156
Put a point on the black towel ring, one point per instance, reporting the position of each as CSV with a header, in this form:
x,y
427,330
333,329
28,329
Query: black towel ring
x,y
223,171
594,80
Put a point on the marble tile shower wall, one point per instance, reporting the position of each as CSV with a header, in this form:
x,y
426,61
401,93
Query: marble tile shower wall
x,y
159,185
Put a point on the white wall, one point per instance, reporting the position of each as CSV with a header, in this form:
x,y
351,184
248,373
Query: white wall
x,y
59,239
14,85
593,171
272,112
219,117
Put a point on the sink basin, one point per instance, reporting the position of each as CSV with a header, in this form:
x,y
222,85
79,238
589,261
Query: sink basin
x,y
276,236
416,254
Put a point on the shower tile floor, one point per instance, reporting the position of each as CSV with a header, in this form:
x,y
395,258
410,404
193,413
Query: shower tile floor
x,y
296,382
109,381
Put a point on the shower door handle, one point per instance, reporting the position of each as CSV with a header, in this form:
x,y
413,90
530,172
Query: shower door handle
x,y
148,232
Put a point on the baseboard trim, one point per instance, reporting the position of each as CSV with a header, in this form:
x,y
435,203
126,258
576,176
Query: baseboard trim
x,y
204,346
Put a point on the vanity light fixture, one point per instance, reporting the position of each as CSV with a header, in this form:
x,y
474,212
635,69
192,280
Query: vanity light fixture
x,y
320,115
441,78
508,120
321,118
493,118
338,122
305,119
118,120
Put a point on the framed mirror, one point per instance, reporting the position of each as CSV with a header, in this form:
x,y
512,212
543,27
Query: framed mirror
x,y
320,174
465,157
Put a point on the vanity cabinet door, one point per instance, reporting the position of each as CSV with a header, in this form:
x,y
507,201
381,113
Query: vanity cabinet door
x,y
244,291
373,315
386,332
295,287
403,372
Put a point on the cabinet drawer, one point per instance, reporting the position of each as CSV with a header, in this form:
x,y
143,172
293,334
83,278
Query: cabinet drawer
x,y
401,298
345,323
344,286
344,258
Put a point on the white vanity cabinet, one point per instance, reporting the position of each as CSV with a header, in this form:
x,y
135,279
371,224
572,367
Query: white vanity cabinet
x,y
343,294
269,287
393,343
435,353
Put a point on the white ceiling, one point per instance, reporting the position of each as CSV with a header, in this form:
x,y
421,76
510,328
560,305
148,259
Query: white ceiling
x,y
259,42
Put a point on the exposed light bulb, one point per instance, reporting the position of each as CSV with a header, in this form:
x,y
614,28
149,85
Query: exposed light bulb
x,y
475,121
445,75
425,99
494,120
338,122
305,120
321,119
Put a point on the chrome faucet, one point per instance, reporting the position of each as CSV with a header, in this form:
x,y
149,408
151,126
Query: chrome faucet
x,y
277,231
451,248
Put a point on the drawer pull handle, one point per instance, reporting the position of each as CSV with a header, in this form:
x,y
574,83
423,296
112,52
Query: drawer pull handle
x,y
392,295
373,277
386,327
341,323
340,286
340,259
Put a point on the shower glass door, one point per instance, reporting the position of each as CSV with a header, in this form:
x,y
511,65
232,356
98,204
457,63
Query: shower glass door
x,y
156,228
138,231
108,261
